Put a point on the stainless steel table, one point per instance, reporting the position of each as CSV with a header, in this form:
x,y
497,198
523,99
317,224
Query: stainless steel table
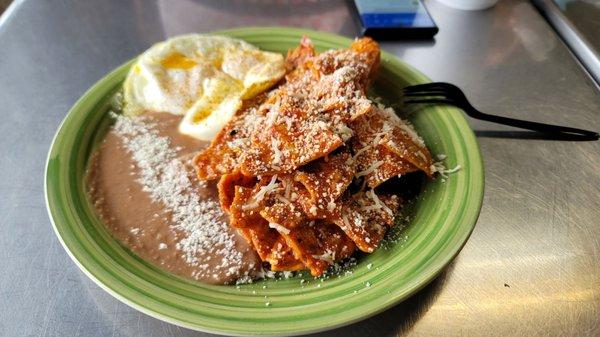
x,y
531,267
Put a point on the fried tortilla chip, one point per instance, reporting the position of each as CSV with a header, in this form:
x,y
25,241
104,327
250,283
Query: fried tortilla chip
x,y
267,241
286,160
311,193
308,116
282,257
386,146
365,218
227,185
302,120
222,156
283,207
324,182
297,57
319,244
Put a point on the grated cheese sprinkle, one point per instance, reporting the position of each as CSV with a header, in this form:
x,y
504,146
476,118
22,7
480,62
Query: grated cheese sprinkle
x,y
328,257
165,178
408,128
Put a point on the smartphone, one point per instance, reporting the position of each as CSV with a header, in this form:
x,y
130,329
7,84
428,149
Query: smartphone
x,y
395,19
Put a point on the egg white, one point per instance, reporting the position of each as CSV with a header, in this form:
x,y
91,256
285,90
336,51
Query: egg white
x,y
203,77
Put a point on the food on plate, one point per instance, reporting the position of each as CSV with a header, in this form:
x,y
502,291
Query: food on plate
x,y
286,161
145,191
296,175
202,77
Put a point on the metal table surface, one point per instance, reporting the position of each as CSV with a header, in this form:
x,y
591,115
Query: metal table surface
x,y
531,267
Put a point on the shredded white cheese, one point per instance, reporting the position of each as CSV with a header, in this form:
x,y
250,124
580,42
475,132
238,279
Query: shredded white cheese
x,y
371,194
440,168
351,160
288,189
345,220
283,199
276,150
345,132
260,195
369,170
250,206
279,228
328,257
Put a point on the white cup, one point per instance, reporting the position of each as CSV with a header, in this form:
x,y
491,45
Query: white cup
x,y
469,5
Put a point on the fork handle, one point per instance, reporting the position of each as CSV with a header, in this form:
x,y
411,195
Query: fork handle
x,y
535,126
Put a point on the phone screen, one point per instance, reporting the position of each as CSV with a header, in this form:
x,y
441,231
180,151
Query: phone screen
x,y
406,18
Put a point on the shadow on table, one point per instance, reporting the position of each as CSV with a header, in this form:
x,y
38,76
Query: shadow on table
x,y
398,320
511,134
267,7
530,135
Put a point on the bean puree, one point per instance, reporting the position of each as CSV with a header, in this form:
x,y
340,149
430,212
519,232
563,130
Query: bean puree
x,y
145,202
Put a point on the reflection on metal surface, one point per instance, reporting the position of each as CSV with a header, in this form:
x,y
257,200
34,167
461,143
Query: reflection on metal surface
x,y
321,15
537,41
538,231
584,15
569,29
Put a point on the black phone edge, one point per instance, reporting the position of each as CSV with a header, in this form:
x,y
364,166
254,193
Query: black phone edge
x,y
400,33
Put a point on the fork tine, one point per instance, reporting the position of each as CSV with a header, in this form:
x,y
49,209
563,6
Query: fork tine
x,y
421,87
427,86
426,93
431,86
448,85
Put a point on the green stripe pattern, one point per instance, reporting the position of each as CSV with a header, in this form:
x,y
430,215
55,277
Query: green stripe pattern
x,y
441,220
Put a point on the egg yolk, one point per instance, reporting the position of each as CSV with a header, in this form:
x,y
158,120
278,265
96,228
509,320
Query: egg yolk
x,y
177,61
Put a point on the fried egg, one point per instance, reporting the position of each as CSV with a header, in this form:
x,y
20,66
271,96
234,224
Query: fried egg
x,y
202,77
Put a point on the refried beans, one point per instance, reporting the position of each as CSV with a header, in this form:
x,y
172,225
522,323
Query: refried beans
x,y
145,190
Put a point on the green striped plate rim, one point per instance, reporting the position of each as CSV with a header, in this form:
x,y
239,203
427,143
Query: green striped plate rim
x,y
441,220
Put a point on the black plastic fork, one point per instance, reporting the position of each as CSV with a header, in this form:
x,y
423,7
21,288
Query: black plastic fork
x,y
446,93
